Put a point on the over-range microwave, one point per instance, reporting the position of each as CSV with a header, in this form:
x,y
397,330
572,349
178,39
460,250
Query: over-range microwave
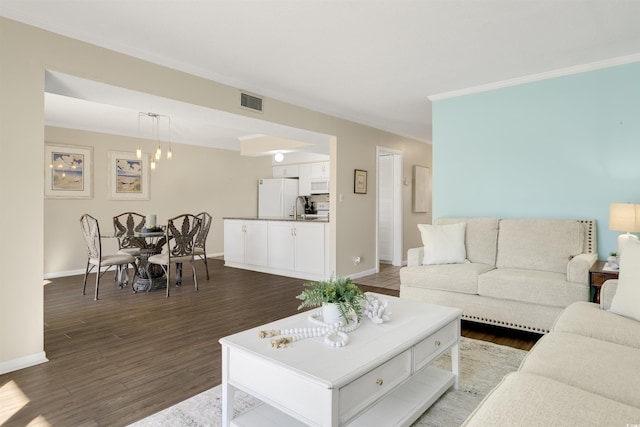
x,y
319,185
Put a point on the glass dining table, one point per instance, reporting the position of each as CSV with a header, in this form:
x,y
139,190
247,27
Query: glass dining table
x,y
150,276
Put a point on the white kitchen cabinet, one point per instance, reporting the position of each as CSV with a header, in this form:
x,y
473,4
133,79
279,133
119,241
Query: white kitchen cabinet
x,y
297,246
320,170
286,171
246,242
310,247
282,245
309,172
288,248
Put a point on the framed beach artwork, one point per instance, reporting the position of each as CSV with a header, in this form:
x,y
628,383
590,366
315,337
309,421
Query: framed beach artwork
x,y
128,176
68,172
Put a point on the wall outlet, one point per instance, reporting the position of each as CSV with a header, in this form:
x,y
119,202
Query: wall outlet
x,y
356,260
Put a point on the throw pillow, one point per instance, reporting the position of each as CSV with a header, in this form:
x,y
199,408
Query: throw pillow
x,y
626,301
443,244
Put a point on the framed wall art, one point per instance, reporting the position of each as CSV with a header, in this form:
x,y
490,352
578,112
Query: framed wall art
x,y
360,181
128,176
68,172
421,189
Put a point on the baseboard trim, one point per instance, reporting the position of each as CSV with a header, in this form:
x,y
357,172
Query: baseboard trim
x,y
58,274
362,274
23,362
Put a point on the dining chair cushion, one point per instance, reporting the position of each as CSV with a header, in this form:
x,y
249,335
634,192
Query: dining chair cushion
x,y
163,259
198,251
130,251
113,260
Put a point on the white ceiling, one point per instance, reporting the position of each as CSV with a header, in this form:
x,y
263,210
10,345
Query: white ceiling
x,y
375,62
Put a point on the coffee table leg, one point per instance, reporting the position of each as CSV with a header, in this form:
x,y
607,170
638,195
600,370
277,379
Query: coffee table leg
x,y
455,364
228,391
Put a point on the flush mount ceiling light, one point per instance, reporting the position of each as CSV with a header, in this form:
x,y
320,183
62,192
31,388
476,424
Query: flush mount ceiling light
x,y
278,157
155,133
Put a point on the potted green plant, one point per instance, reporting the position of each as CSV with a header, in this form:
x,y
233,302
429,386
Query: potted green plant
x,y
338,297
613,260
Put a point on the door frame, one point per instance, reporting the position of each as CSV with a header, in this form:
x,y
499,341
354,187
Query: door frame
x,y
398,211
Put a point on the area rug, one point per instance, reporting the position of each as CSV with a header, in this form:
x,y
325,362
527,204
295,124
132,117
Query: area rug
x,y
482,366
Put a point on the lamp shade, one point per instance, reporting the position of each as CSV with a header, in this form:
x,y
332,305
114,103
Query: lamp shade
x,y
624,217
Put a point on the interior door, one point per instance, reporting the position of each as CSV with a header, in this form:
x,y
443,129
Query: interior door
x,y
385,208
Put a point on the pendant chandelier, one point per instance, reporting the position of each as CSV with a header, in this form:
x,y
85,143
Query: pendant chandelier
x,y
154,120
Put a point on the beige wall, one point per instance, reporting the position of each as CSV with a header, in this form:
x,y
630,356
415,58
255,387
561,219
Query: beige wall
x,y
197,179
356,225
24,60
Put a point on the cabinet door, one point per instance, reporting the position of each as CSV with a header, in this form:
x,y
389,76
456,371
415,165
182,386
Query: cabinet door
x,y
310,248
278,171
234,241
285,171
304,183
281,245
256,243
320,170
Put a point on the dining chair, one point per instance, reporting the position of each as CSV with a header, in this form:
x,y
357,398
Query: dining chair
x,y
127,224
201,238
95,258
180,237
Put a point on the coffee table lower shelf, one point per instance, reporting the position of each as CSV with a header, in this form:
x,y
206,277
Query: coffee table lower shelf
x,y
400,407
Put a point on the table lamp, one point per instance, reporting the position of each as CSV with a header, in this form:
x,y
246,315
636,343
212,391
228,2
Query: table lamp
x,y
624,217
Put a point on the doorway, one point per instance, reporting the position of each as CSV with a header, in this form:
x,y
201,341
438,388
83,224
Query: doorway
x,y
389,242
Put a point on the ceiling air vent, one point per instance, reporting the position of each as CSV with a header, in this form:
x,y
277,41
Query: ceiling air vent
x,y
251,102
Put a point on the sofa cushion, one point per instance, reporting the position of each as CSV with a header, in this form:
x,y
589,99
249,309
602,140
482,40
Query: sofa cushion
x,y
626,301
539,244
481,238
443,244
523,399
587,319
599,367
448,277
532,286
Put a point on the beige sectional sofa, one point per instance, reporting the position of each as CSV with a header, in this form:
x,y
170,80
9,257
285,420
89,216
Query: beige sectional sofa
x,y
585,372
518,273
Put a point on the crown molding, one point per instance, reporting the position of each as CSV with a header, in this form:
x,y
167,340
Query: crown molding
x,y
537,77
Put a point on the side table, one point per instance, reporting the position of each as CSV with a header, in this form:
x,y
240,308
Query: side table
x,y
597,276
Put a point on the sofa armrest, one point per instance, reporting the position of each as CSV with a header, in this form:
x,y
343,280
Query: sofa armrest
x,y
415,257
607,291
578,268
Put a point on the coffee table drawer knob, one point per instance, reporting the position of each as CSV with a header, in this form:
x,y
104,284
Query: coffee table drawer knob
x,y
438,343
379,381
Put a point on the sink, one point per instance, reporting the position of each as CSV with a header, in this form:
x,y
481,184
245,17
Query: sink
x,y
314,218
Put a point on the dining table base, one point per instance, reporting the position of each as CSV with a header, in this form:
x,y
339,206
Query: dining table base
x,y
150,276
146,284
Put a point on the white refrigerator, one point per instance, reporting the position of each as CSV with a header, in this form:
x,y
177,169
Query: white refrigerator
x,y
276,197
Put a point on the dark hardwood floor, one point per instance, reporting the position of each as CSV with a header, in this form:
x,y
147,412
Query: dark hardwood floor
x,y
127,356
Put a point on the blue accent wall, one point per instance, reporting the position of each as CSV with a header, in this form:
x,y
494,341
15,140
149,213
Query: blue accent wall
x,y
565,147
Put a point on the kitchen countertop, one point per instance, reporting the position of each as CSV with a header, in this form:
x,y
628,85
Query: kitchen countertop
x,y
255,218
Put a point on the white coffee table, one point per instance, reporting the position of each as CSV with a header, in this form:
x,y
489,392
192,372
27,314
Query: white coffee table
x,y
383,376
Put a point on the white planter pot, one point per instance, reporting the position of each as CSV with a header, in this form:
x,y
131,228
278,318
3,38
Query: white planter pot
x,y
331,313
